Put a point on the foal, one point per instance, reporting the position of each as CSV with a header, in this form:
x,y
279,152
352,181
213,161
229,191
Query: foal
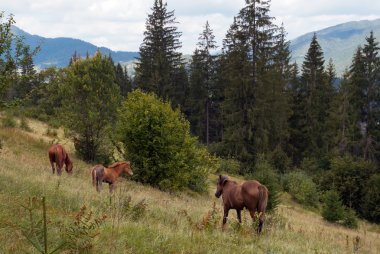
x,y
59,156
109,175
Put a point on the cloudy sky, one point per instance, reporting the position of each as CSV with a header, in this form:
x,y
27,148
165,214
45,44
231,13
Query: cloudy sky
x,y
119,24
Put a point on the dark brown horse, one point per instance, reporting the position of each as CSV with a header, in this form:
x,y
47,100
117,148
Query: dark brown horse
x,y
59,156
250,195
109,175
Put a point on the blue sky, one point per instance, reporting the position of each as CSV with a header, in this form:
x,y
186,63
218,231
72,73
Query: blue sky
x,y
119,24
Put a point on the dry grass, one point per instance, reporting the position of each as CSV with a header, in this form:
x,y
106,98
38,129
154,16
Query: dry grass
x,y
168,225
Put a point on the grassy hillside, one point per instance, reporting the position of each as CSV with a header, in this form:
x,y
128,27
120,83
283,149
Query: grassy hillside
x,y
152,221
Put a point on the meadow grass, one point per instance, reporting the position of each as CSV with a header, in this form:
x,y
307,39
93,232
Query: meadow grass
x,y
141,219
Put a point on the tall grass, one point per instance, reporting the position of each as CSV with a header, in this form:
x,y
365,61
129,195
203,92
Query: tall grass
x,y
141,219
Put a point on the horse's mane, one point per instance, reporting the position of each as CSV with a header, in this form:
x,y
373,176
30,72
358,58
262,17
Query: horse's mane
x,y
116,164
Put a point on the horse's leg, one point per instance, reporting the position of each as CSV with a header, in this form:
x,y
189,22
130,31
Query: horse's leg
x,y
261,223
225,217
52,166
238,215
112,186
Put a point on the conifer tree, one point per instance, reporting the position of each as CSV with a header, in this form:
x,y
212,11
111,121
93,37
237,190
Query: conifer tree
x,y
159,61
316,107
256,73
202,85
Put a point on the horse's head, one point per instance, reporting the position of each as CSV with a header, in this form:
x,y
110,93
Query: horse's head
x,y
127,168
220,184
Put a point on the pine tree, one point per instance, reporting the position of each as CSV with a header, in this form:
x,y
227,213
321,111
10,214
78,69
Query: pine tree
x,y
159,62
202,84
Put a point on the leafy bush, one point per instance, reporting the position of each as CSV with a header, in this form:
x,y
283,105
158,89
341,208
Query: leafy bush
x,y
90,102
333,209
349,218
301,188
157,140
279,160
371,200
9,121
349,177
266,175
230,166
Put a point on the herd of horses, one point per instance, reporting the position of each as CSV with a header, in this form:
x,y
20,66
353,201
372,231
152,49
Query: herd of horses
x,y
251,195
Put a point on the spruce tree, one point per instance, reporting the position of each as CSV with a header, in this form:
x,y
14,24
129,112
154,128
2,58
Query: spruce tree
x,y
255,69
371,111
316,109
202,84
160,62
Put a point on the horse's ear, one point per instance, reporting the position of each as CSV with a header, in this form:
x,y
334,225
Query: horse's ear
x,y
224,180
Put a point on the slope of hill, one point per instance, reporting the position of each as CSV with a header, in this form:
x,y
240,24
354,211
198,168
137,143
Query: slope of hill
x,y
338,42
165,223
58,51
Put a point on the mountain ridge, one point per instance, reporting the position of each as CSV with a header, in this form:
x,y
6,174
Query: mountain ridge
x,y
58,51
338,42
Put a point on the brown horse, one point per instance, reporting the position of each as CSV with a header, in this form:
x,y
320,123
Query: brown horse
x,y
251,195
109,175
59,156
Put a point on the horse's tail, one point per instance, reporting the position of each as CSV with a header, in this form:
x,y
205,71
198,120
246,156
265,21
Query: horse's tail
x,y
262,205
263,199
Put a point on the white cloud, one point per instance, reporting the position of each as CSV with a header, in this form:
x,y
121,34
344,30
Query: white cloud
x,y
119,24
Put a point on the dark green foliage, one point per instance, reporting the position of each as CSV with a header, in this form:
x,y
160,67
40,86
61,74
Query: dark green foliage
x,y
91,97
370,205
333,209
123,80
229,165
159,63
349,177
203,105
157,140
255,72
350,219
267,176
302,188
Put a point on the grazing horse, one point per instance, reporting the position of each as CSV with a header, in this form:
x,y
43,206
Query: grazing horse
x,y
251,195
109,175
59,156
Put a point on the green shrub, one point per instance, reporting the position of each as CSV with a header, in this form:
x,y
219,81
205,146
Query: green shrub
x,y
349,177
371,200
349,218
9,121
333,209
230,166
157,140
301,188
279,160
266,175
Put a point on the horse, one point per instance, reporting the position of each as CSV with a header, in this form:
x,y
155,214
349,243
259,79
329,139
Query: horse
x,y
109,175
59,156
251,195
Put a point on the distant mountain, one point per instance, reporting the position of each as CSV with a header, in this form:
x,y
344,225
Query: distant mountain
x,y
338,42
58,51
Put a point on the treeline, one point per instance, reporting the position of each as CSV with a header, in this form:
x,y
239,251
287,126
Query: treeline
x,y
288,125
